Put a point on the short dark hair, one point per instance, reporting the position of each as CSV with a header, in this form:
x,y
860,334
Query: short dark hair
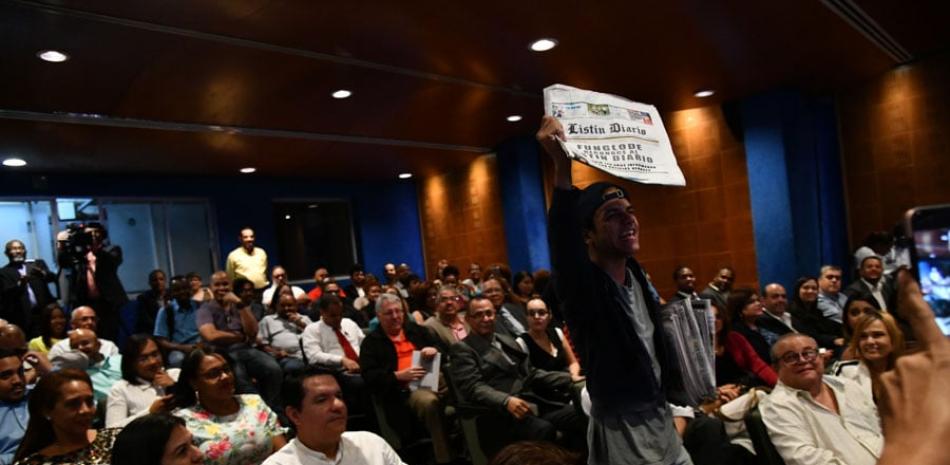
x,y
327,300
193,274
143,441
155,272
130,356
356,268
678,270
292,391
450,270
239,284
535,453
4,353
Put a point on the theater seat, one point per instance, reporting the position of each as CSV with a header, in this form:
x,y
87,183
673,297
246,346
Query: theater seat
x,y
764,449
471,418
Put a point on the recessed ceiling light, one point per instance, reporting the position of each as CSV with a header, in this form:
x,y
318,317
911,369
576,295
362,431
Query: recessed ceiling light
x,y
248,170
14,162
342,93
52,56
286,217
514,118
405,175
704,93
312,205
543,45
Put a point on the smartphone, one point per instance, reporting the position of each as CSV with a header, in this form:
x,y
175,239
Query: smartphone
x,y
928,232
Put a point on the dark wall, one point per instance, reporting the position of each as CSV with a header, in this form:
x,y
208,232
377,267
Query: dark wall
x,y
385,217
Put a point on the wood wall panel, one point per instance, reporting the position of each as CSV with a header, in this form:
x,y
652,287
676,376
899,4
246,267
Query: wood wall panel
x,y
895,144
462,219
708,223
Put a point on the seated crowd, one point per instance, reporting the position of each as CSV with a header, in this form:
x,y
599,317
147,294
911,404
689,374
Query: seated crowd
x,y
252,370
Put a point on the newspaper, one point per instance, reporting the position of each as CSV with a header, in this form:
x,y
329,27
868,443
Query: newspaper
x,y
690,326
431,379
619,136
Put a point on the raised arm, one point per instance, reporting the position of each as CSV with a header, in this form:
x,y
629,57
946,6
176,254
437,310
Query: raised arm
x,y
551,130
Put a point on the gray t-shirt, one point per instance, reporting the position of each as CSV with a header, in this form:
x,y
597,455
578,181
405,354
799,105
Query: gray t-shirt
x,y
282,334
636,309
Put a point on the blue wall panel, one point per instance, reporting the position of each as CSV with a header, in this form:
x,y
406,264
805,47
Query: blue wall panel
x,y
522,191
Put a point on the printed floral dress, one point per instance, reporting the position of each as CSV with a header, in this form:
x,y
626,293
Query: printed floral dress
x,y
99,452
243,438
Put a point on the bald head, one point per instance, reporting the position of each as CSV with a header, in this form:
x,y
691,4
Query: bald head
x,y
775,299
12,337
84,317
85,341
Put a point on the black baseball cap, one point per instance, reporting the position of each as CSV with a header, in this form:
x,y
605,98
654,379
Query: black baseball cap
x,y
593,196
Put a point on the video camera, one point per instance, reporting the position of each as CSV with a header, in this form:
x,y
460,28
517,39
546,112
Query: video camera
x,y
77,244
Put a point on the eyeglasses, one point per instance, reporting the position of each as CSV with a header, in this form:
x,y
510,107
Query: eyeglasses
x,y
216,374
454,298
806,356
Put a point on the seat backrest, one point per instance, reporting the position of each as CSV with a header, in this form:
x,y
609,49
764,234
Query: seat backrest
x,y
764,449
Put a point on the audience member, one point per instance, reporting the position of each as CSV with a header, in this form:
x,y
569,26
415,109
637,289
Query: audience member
x,y
176,325
511,320
737,363
62,407
389,274
227,324
97,281
229,429
810,319
199,291
333,341
776,320
855,308
104,371
315,407
354,289
425,302
745,309
155,439
499,270
611,308
474,279
386,360
145,386
35,364
24,288
52,326
685,281
320,277
872,281
13,404
402,274
831,299
279,278
84,318
148,302
247,261
535,453
367,303
523,289
446,324
876,344
546,346
281,333
718,289
491,371
450,275
245,291
813,418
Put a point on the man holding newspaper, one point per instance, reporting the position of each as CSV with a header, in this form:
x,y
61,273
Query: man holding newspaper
x,y
614,315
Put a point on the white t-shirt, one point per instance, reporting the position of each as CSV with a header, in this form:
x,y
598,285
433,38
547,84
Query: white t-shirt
x,y
356,448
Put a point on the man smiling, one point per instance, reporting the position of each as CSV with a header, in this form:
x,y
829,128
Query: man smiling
x,y
817,419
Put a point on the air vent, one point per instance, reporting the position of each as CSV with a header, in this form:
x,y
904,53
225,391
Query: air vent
x,y
864,24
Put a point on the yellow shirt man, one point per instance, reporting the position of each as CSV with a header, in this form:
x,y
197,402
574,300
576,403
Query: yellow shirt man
x,y
249,265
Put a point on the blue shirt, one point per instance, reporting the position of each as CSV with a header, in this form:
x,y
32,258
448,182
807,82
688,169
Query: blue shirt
x,y
13,420
186,326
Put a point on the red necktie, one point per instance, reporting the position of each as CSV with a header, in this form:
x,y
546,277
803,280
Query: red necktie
x,y
345,344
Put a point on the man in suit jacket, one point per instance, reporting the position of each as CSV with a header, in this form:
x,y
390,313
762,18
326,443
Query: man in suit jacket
x,y
510,317
873,282
492,371
685,281
718,289
775,320
24,288
386,363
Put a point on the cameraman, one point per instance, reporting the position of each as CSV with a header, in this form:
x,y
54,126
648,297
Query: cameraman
x,y
91,267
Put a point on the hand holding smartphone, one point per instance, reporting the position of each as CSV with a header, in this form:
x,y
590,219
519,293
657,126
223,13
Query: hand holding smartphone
x,y
927,230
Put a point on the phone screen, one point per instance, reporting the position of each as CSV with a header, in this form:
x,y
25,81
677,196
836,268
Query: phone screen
x,y
932,247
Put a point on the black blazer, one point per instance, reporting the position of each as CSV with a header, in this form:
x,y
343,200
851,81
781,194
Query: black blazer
x,y
487,376
15,300
503,326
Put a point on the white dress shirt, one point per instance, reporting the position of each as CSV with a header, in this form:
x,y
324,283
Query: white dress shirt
x,y
877,290
321,346
129,401
356,448
807,433
785,319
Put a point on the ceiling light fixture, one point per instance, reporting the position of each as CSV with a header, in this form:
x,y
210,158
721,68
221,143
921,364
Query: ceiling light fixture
x,y
248,170
14,162
52,56
286,217
704,93
342,93
405,175
543,45
513,118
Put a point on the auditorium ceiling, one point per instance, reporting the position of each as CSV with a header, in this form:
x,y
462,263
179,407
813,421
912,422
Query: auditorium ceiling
x,y
209,87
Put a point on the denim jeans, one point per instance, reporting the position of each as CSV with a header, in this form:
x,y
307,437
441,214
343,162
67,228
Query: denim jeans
x,y
247,363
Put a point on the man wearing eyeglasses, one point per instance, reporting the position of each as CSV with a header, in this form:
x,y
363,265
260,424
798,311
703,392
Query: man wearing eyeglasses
x,y
446,323
816,419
